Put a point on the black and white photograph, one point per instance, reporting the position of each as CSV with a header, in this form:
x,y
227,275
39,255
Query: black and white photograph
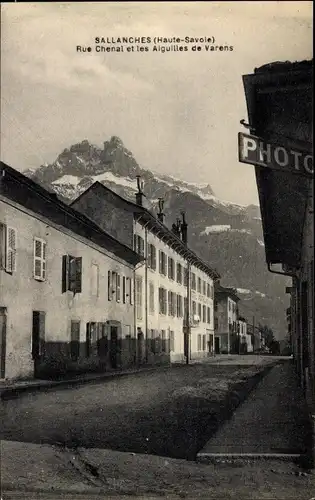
x,y
157,251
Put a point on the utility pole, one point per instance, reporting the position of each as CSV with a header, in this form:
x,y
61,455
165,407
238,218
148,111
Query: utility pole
x,y
254,328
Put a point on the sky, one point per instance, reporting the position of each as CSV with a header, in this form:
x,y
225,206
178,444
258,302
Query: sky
x,y
178,112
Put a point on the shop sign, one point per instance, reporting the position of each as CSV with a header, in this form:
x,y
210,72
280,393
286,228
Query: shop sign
x,y
256,151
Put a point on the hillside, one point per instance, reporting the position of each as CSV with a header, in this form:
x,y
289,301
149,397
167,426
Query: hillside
x,y
226,235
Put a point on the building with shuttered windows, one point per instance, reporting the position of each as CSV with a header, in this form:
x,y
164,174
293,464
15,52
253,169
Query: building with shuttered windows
x,y
174,289
67,287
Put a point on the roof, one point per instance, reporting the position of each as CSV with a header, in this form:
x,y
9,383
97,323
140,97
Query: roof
x,y
226,292
145,217
279,103
19,188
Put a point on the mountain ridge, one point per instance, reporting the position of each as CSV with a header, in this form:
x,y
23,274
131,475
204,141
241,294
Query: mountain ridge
x,y
226,235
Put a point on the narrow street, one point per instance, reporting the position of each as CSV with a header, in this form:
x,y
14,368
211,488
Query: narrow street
x,y
171,412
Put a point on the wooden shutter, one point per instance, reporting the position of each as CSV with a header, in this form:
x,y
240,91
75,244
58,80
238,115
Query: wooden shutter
x,y
10,250
78,275
39,259
130,291
118,287
149,255
109,282
65,273
124,289
153,251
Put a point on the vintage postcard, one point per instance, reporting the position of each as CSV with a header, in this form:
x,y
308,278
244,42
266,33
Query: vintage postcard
x,y
156,250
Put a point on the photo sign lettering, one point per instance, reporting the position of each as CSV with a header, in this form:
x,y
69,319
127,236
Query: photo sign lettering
x,y
257,151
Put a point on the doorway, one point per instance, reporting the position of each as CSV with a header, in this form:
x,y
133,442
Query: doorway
x,y
3,339
38,338
217,345
113,352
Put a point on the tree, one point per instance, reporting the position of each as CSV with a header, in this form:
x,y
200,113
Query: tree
x,y
267,334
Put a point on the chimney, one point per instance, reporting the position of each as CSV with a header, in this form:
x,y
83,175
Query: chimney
x,y
176,228
139,194
183,228
160,214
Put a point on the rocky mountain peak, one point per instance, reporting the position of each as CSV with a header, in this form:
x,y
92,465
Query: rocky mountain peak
x,y
227,235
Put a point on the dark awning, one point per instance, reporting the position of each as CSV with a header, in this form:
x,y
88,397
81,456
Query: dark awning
x,y
279,103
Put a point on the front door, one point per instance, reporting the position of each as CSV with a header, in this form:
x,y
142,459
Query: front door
x,y
217,345
38,338
3,338
113,346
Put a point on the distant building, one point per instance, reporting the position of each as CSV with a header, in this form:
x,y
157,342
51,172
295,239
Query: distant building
x,y
174,290
226,323
67,300
245,339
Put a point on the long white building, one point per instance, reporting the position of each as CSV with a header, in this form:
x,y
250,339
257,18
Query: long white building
x,y
174,288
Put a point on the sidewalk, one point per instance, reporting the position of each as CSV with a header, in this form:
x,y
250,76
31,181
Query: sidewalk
x,y
272,423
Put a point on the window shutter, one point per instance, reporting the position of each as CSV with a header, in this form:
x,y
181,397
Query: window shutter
x,y
160,261
131,291
149,255
118,287
124,289
10,250
153,257
39,271
65,273
78,275
109,285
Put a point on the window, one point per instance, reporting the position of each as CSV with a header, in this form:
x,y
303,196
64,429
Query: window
x,y
39,259
204,314
211,291
193,281
151,297
199,342
199,285
171,268
110,286
208,315
172,341
216,323
179,300
185,276
8,248
171,303
162,301
94,280
129,291
194,307
208,290
199,311
117,287
124,289
162,263
139,297
139,244
151,257
179,273
71,274
204,342
204,287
